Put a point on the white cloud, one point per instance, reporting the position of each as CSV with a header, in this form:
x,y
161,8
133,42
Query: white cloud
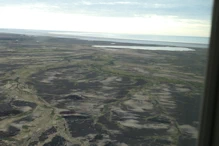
x,y
41,16
109,3
86,3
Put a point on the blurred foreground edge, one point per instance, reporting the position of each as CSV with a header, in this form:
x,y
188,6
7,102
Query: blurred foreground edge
x,y
209,128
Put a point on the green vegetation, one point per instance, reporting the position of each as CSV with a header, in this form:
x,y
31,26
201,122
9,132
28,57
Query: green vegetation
x,y
96,96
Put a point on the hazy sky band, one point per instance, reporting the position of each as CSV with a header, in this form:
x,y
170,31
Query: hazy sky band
x,y
184,17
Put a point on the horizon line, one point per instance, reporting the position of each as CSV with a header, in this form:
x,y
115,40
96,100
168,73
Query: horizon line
x,y
100,32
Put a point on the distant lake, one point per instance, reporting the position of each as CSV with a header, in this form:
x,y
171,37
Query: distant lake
x,y
145,48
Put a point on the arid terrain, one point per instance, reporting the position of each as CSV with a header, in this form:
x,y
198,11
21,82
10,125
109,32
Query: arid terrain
x,y
64,92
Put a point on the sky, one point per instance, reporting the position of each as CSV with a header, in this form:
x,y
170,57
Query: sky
x,y
155,17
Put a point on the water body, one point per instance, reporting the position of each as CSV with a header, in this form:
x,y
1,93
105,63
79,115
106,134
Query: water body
x,y
145,48
179,41
139,37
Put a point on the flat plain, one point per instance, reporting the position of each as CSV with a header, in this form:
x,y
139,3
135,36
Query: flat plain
x,y
64,92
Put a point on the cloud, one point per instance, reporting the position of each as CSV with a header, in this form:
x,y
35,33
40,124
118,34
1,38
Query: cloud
x,y
32,18
151,17
108,3
193,9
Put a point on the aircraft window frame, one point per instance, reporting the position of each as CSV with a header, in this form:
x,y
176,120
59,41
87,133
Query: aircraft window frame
x,y
209,129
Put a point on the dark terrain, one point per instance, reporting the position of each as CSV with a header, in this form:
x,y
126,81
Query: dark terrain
x,y
64,92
